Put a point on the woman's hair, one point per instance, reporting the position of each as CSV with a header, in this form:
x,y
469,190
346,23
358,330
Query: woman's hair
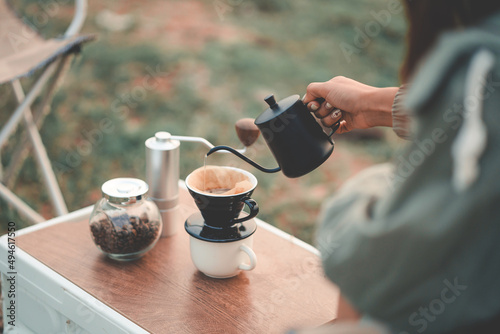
x,y
429,18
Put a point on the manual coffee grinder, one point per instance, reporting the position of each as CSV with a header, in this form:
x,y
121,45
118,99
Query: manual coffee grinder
x,y
162,169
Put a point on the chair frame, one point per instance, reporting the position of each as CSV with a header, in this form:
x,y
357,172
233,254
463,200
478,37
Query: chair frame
x,y
23,112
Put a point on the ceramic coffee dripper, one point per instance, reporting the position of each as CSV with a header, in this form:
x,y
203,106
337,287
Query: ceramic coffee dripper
x,y
220,239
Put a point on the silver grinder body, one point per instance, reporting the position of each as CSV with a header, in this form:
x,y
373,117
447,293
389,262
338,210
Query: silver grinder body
x,y
162,176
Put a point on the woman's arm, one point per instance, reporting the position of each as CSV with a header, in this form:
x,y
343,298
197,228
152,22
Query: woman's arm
x,y
362,106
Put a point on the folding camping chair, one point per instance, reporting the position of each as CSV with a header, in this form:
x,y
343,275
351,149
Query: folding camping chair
x,y
22,52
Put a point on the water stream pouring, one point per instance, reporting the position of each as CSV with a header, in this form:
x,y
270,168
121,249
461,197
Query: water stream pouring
x,y
294,136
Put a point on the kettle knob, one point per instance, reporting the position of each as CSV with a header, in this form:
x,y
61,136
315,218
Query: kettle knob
x,y
271,101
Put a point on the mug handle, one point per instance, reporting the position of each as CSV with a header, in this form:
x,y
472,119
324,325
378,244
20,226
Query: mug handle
x,y
251,256
254,210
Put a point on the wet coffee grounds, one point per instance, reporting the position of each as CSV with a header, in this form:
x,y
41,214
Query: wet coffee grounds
x,y
124,234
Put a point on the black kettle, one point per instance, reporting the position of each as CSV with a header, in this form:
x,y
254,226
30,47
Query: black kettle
x,y
294,136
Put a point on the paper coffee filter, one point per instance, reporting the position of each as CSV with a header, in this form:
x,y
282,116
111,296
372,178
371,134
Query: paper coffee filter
x,y
208,178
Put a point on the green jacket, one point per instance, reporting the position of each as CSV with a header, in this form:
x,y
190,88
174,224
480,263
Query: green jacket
x,y
416,245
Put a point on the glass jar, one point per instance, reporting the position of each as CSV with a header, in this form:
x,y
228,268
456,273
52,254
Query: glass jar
x,y
125,224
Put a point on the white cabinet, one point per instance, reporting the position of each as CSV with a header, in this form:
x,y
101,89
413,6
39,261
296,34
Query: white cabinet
x,y
47,303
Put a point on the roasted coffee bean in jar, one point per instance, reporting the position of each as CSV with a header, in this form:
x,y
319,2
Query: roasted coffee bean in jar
x,y
125,223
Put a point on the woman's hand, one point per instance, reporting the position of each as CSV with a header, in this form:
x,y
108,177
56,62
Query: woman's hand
x,y
357,105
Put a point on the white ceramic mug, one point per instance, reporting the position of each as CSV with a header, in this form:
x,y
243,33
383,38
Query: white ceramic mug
x,y
222,259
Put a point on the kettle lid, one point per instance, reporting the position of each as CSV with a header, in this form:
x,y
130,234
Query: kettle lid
x,y
276,108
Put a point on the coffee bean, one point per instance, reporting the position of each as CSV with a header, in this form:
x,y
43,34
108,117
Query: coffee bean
x,y
144,218
124,234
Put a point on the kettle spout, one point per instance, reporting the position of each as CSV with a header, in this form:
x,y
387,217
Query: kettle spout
x,y
242,157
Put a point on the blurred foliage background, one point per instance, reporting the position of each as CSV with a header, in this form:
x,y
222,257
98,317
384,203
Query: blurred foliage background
x,y
194,67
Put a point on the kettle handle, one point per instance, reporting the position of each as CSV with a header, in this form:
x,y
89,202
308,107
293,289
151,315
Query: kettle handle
x,y
242,157
335,126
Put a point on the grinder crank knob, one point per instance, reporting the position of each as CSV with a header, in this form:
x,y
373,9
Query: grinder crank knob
x,y
247,131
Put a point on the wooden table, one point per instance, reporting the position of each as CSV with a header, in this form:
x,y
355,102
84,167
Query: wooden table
x,y
164,293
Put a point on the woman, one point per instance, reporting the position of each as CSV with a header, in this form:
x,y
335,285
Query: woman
x,y
416,247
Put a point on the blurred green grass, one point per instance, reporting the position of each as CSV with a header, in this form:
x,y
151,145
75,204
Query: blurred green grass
x,y
202,92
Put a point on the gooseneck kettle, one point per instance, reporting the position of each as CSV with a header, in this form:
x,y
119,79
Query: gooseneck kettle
x,y
294,136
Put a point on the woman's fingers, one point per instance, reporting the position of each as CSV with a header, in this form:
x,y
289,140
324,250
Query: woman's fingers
x,y
324,110
343,128
332,118
313,106
313,92
328,114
